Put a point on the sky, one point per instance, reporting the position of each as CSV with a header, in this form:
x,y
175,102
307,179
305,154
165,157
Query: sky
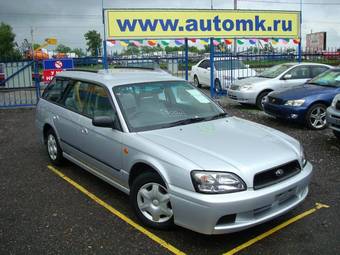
x,y
68,20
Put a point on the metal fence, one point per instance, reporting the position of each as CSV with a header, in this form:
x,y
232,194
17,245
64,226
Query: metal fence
x,y
21,83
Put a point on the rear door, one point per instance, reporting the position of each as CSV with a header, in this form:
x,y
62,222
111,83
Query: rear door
x,y
316,70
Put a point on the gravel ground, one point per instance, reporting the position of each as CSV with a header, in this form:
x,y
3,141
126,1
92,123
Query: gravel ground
x,y
42,214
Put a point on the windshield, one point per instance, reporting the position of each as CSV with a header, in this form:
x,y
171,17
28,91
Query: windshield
x,y
155,105
274,71
329,78
231,64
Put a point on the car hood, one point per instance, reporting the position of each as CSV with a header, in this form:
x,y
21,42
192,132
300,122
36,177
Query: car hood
x,y
251,80
303,91
228,144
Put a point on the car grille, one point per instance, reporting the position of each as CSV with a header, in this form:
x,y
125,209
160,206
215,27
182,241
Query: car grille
x,y
337,105
274,100
276,174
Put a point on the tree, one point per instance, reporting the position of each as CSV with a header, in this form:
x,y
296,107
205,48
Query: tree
x,y
79,52
8,50
93,42
61,48
36,46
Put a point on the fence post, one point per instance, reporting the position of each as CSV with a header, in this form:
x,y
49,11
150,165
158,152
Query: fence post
x,y
36,79
186,59
212,83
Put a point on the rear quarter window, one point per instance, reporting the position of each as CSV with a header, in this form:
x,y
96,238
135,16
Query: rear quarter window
x,y
54,92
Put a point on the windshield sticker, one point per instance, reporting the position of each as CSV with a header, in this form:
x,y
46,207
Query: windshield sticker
x,y
198,96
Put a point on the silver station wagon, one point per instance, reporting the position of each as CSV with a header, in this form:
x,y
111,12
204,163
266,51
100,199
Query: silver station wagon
x,y
182,159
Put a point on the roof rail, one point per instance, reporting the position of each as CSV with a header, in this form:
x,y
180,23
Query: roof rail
x,y
82,70
134,67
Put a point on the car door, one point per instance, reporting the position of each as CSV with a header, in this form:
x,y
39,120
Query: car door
x,y
316,70
203,72
69,121
103,146
296,76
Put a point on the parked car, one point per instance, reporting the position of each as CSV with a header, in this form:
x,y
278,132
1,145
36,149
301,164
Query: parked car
x,y
308,103
226,72
333,116
181,158
254,90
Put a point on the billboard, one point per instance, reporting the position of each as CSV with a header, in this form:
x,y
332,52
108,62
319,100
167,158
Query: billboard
x,y
172,24
316,41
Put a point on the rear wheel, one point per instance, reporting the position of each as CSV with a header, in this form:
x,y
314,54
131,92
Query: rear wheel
x,y
197,82
151,201
316,117
337,134
261,99
53,148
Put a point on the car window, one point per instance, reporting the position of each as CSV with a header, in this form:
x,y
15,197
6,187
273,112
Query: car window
x,y
316,70
204,64
299,72
54,92
76,96
98,103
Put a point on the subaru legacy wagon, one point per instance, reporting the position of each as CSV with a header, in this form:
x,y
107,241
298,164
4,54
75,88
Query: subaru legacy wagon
x,y
182,159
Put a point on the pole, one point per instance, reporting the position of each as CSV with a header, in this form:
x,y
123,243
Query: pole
x,y
186,59
212,83
235,40
104,55
35,68
300,42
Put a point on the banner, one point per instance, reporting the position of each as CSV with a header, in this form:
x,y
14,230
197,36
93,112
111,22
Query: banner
x,y
159,23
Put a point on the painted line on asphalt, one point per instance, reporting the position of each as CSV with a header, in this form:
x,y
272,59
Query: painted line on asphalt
x,y
277,228
115,212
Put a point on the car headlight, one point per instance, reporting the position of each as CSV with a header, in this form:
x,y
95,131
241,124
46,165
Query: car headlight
x,y
335,100
216,182
303,156
246,87
297,102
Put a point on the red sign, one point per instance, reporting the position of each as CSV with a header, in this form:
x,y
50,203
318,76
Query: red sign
x,y
58,64
49,74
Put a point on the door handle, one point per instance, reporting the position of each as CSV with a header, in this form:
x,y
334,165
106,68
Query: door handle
x,y
84,131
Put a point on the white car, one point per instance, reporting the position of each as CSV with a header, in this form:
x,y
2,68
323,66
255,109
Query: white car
x,y
227,70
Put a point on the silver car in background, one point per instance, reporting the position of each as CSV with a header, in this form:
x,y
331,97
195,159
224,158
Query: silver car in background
x,y
333,116
179,156
253,90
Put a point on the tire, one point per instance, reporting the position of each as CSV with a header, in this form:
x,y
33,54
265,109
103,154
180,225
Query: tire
x,y
316,117
218,87
337,134
197,82
148,190
260,99
54,151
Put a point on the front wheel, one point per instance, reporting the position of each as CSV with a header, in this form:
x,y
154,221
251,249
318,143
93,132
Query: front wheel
x,y
151,201
261,99
337,134
316,117
218,87
197,82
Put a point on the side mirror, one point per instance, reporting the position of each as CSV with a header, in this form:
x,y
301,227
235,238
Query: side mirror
x,y
208,68
103,121
287,76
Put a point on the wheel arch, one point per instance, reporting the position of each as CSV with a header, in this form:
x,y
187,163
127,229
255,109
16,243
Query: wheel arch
x,y
46,128
264,90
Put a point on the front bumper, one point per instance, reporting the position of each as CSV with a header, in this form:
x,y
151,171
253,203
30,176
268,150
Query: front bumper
x,y
246,97
286,112
333,119
202,213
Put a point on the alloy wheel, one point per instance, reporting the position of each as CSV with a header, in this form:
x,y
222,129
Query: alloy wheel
x,y
52,147
154,202
318,118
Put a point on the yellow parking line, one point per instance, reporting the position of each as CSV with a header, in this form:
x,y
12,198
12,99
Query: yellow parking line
x,y
275,229
117,213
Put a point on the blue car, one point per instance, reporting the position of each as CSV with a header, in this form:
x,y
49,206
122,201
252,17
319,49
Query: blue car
x,y
306,104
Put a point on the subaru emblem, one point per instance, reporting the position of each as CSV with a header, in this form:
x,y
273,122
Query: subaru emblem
x,y
279,172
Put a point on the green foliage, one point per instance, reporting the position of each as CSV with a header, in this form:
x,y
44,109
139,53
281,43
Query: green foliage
x,y
93,42
61,48
8,50
79,52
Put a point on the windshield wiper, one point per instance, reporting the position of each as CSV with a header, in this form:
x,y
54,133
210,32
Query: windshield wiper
x,y
185,122
217,116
